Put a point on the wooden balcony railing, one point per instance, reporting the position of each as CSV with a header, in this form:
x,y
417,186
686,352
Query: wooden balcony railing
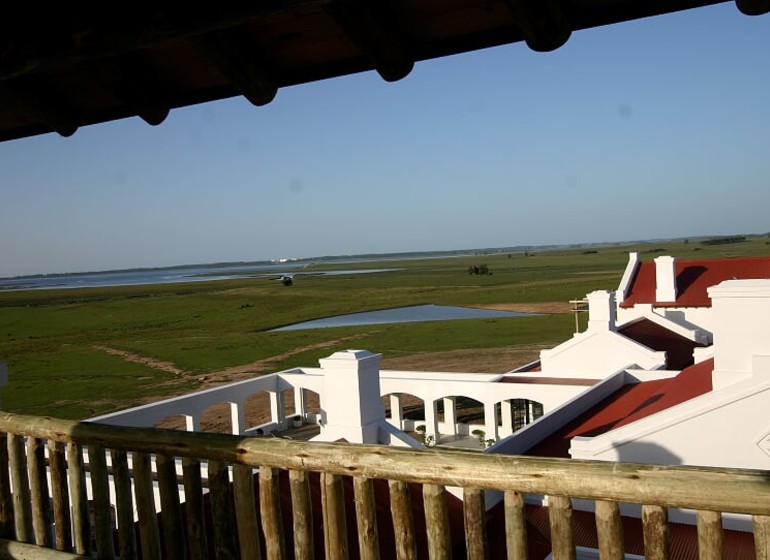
x,y
44,499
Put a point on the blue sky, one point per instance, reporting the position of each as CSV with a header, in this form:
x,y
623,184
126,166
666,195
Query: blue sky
x,y
649,129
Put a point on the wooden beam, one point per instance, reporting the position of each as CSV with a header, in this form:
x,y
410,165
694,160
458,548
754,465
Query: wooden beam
x,y
37,101
72,34
753,7
132,81
376,39
543,23
237,60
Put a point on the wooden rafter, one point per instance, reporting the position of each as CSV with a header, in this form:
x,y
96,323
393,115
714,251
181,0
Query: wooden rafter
x,y
373,36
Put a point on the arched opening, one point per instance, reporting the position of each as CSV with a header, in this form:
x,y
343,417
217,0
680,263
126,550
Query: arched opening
x,y
312,406
406,412
257,410
219,418
174,422
470,412
515,414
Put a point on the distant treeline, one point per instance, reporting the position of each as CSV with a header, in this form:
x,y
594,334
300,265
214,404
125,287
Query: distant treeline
x,y
724,240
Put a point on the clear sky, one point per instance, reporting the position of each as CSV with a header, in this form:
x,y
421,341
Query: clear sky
x,y
649,129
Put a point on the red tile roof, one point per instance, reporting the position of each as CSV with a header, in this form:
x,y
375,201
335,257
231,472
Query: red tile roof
x,y
678,349
693,278
629,404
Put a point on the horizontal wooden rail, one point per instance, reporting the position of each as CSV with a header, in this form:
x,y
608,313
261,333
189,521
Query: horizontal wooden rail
x,y
13,550
699,488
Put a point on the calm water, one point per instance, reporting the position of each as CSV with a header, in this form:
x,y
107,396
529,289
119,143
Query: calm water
x,y
166,276
413,314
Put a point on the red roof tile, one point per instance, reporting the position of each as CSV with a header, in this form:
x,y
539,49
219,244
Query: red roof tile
x,y
629,404
693,278
678,349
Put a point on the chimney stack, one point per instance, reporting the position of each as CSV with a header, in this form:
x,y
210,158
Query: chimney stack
x,y
601,311
351,404
665,279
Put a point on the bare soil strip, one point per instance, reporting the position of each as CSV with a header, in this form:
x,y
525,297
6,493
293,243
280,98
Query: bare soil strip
x,y
546,307
139,359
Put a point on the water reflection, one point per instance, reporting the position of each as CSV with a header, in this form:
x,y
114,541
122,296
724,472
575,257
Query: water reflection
x,y
412,314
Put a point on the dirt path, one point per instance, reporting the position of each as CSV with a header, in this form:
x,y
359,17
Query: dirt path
x,y
546,307
474,360
139,359
231,374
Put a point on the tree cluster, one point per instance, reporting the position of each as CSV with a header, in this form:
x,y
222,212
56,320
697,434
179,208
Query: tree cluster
x,y
481,270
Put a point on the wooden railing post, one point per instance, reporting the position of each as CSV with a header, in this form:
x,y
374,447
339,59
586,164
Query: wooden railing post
x,y
270,511
38,485
246,512
333,506
81,524
60,495
145,505
125,505
22,508
655,523
475,523
366,518
303,514
709,535
194,514
560,516
609,530
6,499
225,541
515,526
437,522
171,512
762,536
403,520
100,487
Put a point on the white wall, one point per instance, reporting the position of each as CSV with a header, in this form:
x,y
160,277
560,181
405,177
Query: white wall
x,y
595,355
727,428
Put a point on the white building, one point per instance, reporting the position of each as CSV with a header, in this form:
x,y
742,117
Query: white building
x,y
676,371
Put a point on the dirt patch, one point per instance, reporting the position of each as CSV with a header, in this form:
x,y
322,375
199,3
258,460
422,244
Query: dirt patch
x,y
471,360
228,375
217,417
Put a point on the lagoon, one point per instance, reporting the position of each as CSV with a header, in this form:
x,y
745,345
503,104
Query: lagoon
x,y
170,275
411,314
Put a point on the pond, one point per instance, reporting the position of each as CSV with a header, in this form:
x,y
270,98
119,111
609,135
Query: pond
x,y
412,314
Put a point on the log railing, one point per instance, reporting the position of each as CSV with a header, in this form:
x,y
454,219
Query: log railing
x,y
44,501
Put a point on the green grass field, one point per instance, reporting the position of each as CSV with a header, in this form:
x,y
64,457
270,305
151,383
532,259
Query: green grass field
x,y
50,338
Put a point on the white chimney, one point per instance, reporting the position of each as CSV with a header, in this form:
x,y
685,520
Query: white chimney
x,y
665,279
601,311
628,275
741,317
351,403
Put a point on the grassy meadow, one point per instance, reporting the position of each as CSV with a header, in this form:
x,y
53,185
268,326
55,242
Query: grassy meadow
x,y
75,353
